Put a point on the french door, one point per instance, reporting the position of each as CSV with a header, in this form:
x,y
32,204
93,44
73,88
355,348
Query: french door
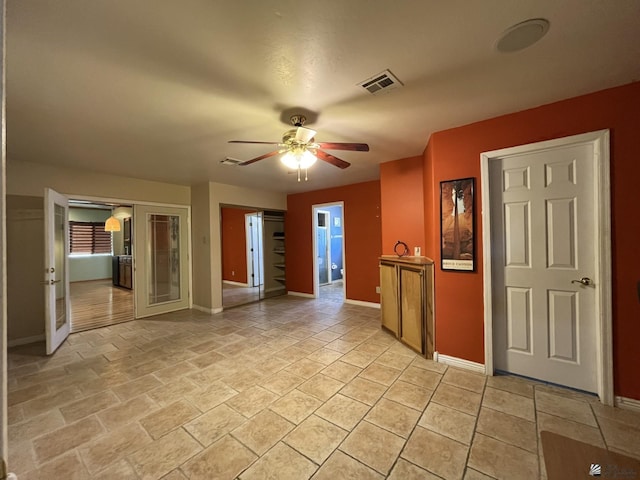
x,y
161,269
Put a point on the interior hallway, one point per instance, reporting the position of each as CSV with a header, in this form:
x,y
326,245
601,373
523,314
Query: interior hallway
x,y
291,387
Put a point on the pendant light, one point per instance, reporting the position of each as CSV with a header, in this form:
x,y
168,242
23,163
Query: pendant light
x,y
112,224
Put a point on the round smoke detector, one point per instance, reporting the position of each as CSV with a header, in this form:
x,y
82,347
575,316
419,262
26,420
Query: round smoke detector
x,y
522,35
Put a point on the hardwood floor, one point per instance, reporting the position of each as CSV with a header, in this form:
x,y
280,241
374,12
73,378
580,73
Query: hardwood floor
x,y
97,303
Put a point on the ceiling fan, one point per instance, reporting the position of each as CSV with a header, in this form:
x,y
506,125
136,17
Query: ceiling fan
x,y
300,149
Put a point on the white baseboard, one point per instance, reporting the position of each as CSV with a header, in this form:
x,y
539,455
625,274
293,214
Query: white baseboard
x,y
211,311
627,403
300,294
239,284
25,341
361,303
459,362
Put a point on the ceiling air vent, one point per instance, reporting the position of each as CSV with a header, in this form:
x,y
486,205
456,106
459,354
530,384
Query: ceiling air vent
x,y
381,83
230,161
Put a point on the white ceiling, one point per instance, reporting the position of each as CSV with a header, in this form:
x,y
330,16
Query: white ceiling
x,y
154,89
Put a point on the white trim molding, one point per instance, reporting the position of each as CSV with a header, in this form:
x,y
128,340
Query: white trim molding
x,y
210,311
362,303
599,140
301,294
239,284
459,362
628,403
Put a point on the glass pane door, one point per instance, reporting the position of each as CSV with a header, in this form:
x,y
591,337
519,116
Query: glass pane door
x,y
161,264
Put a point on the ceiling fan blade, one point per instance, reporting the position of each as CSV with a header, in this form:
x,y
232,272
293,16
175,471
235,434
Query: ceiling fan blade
x,y
327,157
304,135
248,141
261,157
355,147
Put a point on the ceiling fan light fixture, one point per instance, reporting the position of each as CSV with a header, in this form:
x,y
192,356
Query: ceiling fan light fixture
x,y
297,159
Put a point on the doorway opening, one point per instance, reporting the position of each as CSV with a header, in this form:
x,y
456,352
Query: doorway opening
x,y
329,273
100,265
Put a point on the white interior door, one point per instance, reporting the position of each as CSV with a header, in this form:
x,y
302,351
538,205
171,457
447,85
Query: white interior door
x,y
161,268
323,254
542,232
56,277
253,222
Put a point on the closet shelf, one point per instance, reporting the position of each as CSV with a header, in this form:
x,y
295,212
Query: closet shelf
x,y
279,265
280,279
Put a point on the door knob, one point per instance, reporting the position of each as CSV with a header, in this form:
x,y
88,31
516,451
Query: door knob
x,y
586,281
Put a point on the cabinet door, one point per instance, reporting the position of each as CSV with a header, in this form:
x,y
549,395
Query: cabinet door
x,y
389,297
411,307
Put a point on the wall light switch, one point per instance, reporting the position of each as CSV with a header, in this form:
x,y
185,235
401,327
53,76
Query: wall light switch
x,y
377,289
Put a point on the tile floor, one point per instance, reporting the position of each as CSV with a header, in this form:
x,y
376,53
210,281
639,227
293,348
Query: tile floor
x,y
288,388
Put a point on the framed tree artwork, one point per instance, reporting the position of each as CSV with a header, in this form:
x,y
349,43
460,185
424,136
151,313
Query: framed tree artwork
x,y
457,225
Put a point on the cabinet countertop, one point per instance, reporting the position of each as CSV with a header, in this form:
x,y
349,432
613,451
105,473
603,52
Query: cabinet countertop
x,y
407,259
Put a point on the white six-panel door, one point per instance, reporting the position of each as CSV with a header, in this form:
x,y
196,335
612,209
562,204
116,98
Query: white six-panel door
x,y
542,234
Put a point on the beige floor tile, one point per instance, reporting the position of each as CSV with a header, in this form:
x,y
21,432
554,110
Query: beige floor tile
x,y
252,401
436,453
376,372
321,386
621,415
292,354
243,380
126,412
472,474
295,406
15,414
457,398
511,403
465,379
324,356
373,446
281,462
107,449
173,392
207,359
164,455
394,417
271,366
448,422
211,396
501,460
305,368
564,407
67,466
88,406
282,382
50,401
345,372
359,358
174,372
66,438
36,426
168,418
343,411
364,390
508,428
568,428
428,364
214,424
21,395
393,360
621,436
511,384
263,431
422,377
404,470
175,475
22,458
339,466
409,395
120,470
136,387
223,460
327,336
310,344
315,438
372,348
341,345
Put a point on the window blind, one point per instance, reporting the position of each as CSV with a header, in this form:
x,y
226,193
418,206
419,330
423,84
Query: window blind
x,y
89,238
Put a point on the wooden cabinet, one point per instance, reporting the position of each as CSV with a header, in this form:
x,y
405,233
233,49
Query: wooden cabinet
x,y
122,271
406,300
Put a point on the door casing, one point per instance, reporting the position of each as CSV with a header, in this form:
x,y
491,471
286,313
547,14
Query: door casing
x,y
599,140
314,224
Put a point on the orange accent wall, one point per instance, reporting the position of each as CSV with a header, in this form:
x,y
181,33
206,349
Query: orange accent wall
x,y
234,244
455,153
402,198
362,232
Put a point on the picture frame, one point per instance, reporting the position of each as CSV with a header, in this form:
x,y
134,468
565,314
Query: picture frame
x,y
457,225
